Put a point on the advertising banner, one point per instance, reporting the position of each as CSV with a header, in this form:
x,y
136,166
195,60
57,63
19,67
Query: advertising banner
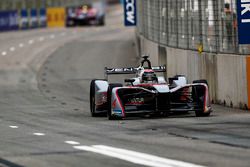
x,y
8,20
243,13
33,18
130,13
42,18
56,17
24,19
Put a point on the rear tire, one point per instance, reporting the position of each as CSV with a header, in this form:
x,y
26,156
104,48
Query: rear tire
x,y
201,113
92,99
101,21
109,97
201,81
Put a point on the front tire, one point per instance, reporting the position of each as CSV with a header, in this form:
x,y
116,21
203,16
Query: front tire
x,y
92,99
109,99
200,113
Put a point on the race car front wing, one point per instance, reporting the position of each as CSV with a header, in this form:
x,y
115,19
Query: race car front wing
x,y
132,100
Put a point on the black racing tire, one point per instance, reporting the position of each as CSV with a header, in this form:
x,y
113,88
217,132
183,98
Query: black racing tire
x,y
101,21
201,81
92,98
200,113
109,96
70,23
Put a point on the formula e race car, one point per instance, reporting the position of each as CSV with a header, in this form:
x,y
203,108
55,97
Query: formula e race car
x,y
148,94
85,15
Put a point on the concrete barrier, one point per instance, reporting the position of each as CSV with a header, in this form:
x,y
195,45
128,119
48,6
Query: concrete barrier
x,y
150,48
228,75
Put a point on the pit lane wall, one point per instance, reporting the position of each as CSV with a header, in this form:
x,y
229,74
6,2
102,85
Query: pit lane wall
x,y
228,75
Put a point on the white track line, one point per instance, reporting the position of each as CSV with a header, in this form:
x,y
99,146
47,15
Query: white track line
x,y
41,39
21,45
12,49
39,134
31,41
4,53
135,157
52,36
14,127
72,142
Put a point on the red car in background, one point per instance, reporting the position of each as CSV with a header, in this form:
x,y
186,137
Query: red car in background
x,y
85,15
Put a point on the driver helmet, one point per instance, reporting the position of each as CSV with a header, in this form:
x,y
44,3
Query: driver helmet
x,y
149,76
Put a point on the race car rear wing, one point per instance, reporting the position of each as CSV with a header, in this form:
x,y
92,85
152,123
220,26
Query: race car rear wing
x,y
131,70
113,71
159,69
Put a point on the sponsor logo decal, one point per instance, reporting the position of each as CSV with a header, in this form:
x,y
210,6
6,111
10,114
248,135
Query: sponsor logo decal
x,y
243,13
136,101
130,12
119,70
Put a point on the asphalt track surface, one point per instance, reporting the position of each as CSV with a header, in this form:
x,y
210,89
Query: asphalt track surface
x,y
45,118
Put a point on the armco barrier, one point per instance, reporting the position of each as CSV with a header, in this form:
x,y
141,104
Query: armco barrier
x,y
33,18
42,18
8,20
56,17
24,19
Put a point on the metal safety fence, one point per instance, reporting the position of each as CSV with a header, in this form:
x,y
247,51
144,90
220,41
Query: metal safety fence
x,y
191,24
